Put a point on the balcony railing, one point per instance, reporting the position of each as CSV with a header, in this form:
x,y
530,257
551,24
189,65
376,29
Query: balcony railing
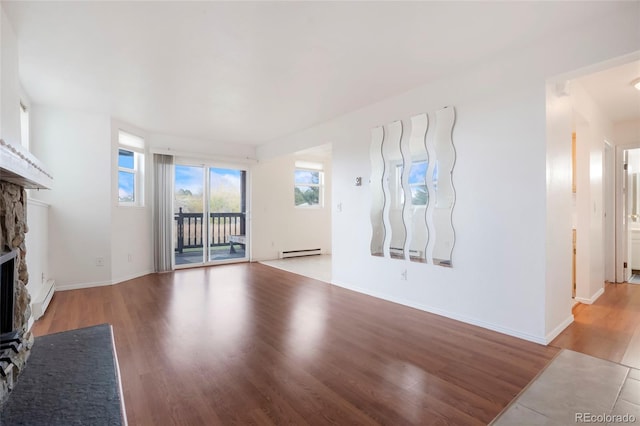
x,y
190,229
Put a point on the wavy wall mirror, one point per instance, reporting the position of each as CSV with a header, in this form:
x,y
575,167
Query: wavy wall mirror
x,y
377,194
418,194
412,189
443,190
393,188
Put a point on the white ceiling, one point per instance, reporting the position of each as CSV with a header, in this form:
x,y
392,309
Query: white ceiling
x,y
612,90
250,72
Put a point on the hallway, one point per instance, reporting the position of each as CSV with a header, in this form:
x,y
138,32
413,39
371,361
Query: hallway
x,y
609,328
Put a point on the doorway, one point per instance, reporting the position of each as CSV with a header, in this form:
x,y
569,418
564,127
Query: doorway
x,y
210,210
631,197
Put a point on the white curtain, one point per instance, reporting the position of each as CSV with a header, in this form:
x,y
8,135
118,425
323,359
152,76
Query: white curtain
x,y
162,212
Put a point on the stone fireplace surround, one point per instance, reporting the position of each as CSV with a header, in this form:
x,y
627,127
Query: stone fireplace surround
x,y
19,170
13,227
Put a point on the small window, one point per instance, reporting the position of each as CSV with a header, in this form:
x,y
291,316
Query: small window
x,y
130,170
309,185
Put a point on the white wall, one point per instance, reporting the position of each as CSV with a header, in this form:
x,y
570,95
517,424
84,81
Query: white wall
x,y
76,147
276,224
131,251
189,147
501,277
560,212
86,223
9,83
627,133
592,129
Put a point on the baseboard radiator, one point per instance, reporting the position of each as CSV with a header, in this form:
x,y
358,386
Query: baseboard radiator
x,y
299,253
39,306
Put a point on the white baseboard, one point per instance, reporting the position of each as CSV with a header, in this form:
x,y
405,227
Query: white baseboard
x,y
77,286
131,276
462,318
592,298
559,329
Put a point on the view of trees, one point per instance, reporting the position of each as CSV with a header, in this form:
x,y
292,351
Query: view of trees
x,y
310,196
307,187
224,194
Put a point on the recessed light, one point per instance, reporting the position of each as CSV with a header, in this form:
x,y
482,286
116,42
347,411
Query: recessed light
x,y
636,83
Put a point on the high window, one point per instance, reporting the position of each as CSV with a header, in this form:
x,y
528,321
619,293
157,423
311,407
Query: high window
x,y
130,169
308,184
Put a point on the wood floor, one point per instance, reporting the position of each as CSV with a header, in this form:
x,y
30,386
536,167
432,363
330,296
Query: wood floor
x,y
249,344
609,328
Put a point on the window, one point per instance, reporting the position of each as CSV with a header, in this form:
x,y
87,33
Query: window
x,y
130,170
308,184
24,125
417,184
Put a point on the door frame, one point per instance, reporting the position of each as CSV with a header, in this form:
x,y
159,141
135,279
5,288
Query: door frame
x,y
208,164
622,234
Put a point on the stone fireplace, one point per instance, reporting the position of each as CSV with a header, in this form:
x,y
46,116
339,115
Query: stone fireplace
x,y
16,343
19,170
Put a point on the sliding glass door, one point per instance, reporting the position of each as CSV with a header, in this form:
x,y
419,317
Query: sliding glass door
x,y
210,215
227,214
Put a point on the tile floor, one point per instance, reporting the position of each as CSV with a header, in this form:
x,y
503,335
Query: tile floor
x,y
573,388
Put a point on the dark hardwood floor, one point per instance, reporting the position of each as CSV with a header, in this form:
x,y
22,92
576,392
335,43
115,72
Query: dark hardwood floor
x,y
249,344
609,328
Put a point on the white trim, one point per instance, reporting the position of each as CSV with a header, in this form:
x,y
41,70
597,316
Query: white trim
x,y
468,320
207,158
559,329
76,286
131,276
37,202
592,298
130,141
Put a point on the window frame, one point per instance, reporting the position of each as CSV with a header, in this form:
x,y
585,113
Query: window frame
x,y
314,168
134,144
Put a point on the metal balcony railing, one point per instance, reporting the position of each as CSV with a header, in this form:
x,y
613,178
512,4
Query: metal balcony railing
x,y
190,229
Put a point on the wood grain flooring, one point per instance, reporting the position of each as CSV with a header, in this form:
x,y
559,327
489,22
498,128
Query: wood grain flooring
x,y
249,344
609,328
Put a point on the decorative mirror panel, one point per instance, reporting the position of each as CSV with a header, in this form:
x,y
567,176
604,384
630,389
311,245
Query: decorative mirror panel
x,y
418,192
412,189
377,195
393,188
443,190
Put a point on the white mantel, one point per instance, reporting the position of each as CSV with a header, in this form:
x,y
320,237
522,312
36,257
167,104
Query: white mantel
x,y
19,166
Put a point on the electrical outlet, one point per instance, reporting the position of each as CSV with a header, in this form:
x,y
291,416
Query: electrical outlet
x,y
403,275
42,277
130,258
99,261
